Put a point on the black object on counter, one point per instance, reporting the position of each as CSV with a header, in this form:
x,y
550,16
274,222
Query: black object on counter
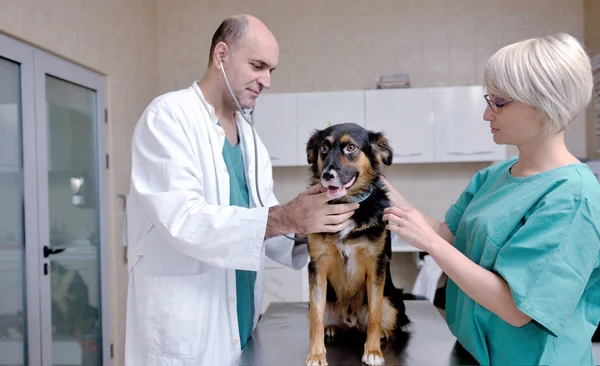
x,y
282,338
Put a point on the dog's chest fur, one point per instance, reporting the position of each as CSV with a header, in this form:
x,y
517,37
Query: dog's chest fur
x,y
352,253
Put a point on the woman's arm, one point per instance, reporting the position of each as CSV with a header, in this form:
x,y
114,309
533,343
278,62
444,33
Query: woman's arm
x,y
441,228
484,287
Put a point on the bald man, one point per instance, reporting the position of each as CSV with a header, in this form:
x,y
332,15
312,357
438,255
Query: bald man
x,y
197,233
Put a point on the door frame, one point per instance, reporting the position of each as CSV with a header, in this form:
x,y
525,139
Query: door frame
x,y
48,64
34,65
22,54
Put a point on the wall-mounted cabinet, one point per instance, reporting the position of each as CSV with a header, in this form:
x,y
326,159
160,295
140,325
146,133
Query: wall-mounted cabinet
x,y
321,109
461,133
407,118
276,119
423,125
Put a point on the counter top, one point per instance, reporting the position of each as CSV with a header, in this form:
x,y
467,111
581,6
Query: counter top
x,y
282,338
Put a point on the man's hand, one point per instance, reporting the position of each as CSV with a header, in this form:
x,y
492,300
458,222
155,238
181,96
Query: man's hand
x,y
310,213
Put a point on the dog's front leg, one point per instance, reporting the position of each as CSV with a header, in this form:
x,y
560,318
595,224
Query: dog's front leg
x,y
317,281
374,282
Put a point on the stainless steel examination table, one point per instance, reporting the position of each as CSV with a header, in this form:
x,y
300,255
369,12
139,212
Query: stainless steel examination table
x,y
282,338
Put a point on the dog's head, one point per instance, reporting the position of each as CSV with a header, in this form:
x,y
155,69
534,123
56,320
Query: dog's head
x,y
347,159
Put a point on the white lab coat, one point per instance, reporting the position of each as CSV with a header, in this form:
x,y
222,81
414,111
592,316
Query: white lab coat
x,y
185,241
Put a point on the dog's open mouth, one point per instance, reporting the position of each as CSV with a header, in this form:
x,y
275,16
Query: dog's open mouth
x,y
337,192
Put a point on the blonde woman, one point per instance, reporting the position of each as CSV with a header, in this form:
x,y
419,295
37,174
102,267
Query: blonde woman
x,y
521,244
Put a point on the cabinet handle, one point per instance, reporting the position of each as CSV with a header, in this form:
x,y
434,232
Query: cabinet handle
x,y
402,155
470,153
275,158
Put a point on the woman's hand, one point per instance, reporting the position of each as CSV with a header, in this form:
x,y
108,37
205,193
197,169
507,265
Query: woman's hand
x,y
410,225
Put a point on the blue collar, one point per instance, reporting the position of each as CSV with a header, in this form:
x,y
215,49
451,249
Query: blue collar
x,y
361,198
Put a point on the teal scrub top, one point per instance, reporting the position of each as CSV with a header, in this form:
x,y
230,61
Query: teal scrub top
x,y
542,235
239,196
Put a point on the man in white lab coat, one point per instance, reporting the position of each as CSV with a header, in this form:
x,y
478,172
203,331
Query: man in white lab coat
x,y
197,234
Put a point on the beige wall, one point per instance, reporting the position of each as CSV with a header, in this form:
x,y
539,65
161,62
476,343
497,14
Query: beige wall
x,y
146,48
438,42
592,41
118,39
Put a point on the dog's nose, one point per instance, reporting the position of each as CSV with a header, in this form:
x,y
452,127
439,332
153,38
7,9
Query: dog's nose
x,y
328,175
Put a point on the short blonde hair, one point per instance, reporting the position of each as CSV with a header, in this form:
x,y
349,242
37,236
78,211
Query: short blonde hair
x,y
552,74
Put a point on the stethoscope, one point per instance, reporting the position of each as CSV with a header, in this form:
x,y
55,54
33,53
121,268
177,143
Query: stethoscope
x,y
251,123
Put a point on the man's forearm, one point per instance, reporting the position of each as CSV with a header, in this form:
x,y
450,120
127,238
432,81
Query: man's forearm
x,y
279,222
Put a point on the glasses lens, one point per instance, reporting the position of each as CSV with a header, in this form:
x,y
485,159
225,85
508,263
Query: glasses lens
x,y
489,102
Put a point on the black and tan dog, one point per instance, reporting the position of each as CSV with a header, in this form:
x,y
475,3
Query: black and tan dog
x,y
349,277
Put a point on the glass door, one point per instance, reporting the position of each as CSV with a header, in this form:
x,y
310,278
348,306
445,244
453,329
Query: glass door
x,y
12,220
19,290
70,142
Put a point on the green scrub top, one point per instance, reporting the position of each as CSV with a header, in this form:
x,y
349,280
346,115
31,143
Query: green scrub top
x,y
239,196
542,235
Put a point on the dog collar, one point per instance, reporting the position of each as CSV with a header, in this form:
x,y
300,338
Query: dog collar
x,y
359,199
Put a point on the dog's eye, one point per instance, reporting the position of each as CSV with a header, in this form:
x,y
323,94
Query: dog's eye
x,y
324,149
350,148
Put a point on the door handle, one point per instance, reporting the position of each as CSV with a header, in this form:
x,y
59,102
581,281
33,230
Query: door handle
x,y
49,251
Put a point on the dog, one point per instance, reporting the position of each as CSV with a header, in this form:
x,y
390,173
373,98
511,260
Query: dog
x,y
349,275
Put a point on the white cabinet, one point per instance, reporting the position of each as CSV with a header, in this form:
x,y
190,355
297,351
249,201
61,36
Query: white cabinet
x,y
461,133
321,109
406,117
423,125
275,118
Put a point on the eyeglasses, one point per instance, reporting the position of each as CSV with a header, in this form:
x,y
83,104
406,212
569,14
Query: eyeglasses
x,y
497,104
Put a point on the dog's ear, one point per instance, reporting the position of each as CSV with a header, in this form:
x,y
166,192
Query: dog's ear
x,y
312,147
381,148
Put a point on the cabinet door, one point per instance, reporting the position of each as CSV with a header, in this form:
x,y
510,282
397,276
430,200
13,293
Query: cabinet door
x,y
275,120
322,109
461,132
406,117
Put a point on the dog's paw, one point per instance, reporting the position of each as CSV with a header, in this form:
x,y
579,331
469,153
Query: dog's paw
x,y
316,359
373,358
330,332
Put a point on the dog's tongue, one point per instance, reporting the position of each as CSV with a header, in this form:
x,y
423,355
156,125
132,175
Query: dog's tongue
x,y
336,192
350,183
